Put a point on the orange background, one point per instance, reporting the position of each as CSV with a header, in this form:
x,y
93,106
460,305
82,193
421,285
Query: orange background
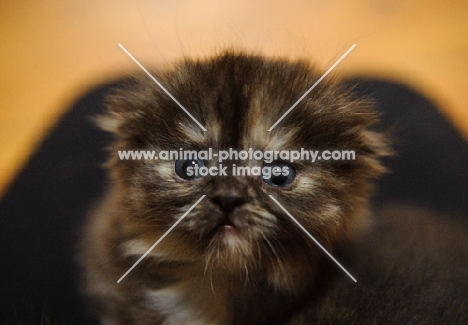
x,y
53,51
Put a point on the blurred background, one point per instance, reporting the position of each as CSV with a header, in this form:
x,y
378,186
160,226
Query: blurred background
x,y
53,51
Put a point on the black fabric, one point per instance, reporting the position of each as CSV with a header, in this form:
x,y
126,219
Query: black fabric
x,y
430,167
40,218
43,210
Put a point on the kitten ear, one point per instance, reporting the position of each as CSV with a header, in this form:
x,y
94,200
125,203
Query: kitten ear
x,y
375,147
378,144
110,123
125,127
125,110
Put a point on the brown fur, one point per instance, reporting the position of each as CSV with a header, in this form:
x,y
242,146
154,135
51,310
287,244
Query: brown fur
x,y
411,266
194,276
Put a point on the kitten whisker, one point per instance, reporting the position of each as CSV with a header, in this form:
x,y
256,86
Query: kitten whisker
x,y
278,259
247,280
211,282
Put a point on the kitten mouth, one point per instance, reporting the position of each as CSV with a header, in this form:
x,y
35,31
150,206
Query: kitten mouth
x,y
228,228
225,227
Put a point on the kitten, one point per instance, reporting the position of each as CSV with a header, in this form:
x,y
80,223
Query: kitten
x,y
237,257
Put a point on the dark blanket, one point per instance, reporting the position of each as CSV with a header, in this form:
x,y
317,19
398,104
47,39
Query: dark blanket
x,y
42,212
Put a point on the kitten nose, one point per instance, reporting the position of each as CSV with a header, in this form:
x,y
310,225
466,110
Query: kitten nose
x,y
227,203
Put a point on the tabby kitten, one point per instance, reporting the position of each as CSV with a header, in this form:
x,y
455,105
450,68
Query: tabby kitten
x,y
237,258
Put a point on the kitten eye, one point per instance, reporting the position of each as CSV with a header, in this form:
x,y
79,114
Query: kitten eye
x,y
189,169
278,173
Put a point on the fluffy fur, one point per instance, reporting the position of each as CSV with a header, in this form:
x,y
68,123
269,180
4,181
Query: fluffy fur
x,y
269,272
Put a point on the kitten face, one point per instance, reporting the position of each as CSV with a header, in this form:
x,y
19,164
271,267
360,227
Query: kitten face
x,y
237,98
